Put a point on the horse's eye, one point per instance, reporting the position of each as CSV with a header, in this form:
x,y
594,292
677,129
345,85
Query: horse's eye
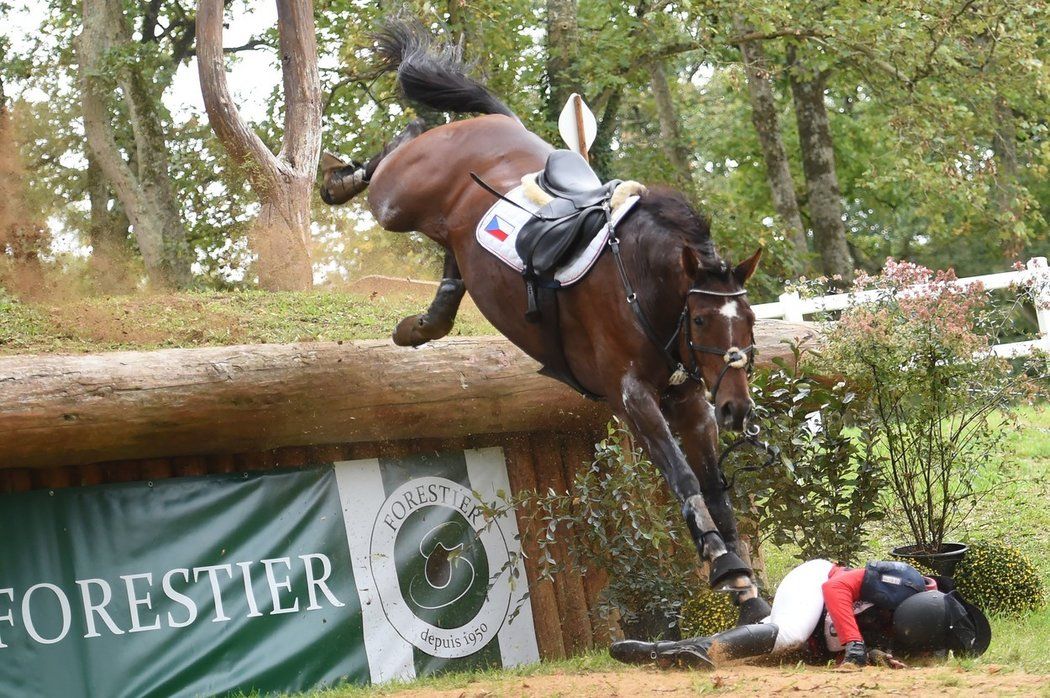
x,y
698,320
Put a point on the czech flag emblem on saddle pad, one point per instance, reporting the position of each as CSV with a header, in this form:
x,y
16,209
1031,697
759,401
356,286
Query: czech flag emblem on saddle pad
x,y
499,228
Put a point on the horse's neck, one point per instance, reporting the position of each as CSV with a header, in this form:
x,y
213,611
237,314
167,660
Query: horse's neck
x,y
658,279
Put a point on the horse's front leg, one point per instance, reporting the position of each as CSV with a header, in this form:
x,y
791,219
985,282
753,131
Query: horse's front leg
x,y
641,407
693,420
440,316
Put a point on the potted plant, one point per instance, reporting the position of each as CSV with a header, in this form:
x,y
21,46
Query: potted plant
x,y
919,348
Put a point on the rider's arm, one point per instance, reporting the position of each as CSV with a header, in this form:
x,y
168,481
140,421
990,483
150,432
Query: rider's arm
x,y
840,591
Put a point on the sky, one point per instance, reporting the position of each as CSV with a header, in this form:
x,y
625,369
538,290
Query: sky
x,y
253,74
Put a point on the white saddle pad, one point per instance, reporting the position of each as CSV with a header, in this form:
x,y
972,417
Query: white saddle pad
x,y
497,232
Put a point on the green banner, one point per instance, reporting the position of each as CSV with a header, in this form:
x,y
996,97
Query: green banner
x,y
360,571
189,587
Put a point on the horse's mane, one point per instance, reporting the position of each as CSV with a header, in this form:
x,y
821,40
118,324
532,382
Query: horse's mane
x,y
674,216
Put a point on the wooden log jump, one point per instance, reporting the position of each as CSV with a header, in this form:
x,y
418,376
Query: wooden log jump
x,y
77,409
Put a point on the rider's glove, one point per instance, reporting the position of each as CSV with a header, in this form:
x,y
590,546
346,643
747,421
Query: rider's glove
x,y
856,653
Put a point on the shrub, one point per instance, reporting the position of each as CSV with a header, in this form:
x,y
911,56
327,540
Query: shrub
x,y
826,489
707,612
1000,580
626,525
936,393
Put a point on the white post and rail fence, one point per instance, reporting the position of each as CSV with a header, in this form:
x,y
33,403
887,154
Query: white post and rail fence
x,y
791,306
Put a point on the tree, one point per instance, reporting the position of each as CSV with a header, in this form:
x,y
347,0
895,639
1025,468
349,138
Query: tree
x,y
824,199
284,182
107,62
766,122
670,131
563,43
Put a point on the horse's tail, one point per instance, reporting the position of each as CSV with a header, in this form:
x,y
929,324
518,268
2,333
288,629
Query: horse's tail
x,y
430,73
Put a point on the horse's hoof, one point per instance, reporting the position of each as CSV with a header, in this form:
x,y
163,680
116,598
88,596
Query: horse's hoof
x,y
330,161
342,181
408,332
730,573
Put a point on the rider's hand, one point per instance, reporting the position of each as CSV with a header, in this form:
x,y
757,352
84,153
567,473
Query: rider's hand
x,y
856,654
880,658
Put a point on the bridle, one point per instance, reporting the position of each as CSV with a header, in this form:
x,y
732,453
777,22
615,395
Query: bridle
x,y
733,356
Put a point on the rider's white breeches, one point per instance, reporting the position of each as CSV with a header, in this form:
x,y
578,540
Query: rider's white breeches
x,y
798,604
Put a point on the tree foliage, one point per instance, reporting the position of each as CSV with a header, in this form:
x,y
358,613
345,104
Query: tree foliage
x,y
936,112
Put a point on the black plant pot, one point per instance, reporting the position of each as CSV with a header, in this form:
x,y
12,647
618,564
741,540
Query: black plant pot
x,y
942,562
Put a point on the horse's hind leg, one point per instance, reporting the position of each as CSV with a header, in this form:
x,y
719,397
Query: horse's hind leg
x,y
343,181
440,316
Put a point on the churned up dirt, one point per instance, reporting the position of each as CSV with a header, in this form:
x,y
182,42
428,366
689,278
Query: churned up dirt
x,y
759,681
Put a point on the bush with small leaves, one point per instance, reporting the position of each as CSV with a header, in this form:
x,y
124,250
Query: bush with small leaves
x,y
1000,580
625,524
707,612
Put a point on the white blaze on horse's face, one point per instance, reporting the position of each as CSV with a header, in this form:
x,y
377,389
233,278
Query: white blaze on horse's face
x,y
729,310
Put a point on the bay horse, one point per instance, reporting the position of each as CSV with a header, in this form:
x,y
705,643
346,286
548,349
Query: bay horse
x,y
690,298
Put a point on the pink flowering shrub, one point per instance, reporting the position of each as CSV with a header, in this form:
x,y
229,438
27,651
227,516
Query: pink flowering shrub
x,y
919,350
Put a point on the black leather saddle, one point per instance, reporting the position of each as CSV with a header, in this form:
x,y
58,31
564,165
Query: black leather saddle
x,y
566,225
568,176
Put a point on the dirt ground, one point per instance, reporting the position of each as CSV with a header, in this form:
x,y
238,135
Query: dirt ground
x,y
759,681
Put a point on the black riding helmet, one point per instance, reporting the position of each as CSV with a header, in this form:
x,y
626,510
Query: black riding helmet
x,y
932,621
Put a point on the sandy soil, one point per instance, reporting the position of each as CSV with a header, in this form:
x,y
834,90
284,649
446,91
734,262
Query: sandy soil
x,y
760,681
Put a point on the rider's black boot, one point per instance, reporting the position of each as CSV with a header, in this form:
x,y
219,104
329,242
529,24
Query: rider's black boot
x,y
700,652
742,642
691,652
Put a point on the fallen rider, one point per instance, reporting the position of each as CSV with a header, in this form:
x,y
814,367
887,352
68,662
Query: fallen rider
x,y
823,610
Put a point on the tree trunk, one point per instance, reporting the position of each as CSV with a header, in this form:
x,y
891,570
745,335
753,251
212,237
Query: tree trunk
x,y
563,37
670,133
108,234
145,190
70,410
281,234
818,163
459,25
1004,146
767,127
601,150
22,233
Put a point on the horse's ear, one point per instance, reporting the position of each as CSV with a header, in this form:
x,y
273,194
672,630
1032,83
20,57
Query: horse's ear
x,y
690,261
743,271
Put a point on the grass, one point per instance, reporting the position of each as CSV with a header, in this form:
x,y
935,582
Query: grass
x,y
590,663
196,319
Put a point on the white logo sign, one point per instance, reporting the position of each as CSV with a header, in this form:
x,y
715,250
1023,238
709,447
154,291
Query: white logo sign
x,y
434,558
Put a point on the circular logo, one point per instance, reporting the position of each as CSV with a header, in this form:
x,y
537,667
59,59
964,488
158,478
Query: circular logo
x,y
433,557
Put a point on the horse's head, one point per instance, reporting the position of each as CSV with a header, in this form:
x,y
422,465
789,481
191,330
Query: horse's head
x,y
717,335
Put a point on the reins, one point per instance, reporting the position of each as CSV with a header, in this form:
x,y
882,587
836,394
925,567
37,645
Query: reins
x,y
734,357
750,437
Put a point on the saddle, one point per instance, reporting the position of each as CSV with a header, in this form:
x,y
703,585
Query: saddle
x,y
564,226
